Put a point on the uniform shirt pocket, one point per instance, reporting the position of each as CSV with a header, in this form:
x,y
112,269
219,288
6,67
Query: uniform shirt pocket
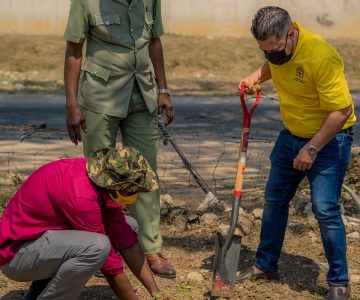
x,y
97,71
105,25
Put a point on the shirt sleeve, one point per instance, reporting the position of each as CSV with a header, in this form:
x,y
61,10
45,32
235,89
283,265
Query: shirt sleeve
x,y
77,25
120,233
85,214
157,29
331,84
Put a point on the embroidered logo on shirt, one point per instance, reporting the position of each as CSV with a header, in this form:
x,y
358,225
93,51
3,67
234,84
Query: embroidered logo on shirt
x,y
299,74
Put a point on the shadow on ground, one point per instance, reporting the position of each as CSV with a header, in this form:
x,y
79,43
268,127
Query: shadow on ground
x,y
298,272
95,292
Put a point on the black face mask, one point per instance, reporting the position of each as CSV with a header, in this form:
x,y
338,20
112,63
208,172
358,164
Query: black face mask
x,y
279,57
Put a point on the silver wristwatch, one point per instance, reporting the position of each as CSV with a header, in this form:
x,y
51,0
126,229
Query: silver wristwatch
x,y
165,91
312,150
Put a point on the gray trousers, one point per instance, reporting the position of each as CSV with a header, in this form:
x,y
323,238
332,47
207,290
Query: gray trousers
x,y
69,257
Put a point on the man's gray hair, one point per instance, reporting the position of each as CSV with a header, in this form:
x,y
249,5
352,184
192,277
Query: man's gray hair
x,y
269,21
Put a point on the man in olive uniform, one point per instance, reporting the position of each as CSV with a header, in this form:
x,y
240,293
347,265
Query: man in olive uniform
x,y
121,85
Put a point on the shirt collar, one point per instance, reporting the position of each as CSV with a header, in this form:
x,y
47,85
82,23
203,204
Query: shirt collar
x,y
300,40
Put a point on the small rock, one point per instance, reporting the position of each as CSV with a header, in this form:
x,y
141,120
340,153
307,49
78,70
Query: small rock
x,y
208,218
228,209
165,211
352,219
179,211
19,87
257,213
245,224
223,229
192,218
292,211
354,235
308,209
314,238
324,266
353,226
166,198
300,202
306,191
297,227
355,278
195,277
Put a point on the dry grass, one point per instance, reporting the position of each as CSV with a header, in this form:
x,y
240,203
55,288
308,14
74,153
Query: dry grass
x,y
194,65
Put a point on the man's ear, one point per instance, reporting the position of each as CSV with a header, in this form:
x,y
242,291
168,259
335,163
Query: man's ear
x,y
291,33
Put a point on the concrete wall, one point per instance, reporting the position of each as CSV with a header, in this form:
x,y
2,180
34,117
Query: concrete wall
x,y
331,18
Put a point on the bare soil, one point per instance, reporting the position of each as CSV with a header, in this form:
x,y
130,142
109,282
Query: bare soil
x,y
195,65
190,247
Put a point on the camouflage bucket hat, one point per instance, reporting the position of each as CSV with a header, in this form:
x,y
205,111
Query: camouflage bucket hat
x,y
123,169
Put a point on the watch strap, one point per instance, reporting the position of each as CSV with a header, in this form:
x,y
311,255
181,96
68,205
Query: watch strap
x,y
165,91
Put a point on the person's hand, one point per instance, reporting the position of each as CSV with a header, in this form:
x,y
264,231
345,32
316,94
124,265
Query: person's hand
x,y
252,84
304,160
74,121
164,102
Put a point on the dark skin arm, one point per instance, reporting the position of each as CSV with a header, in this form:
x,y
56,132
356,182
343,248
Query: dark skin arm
x,y
157,58
75,120
135,260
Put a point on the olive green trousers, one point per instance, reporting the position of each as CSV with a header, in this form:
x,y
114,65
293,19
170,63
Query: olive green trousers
x,y
139,129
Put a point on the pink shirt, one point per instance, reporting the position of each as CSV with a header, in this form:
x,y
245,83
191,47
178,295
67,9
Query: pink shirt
x,y
60,196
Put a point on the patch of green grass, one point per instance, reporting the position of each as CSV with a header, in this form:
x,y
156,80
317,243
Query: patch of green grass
x,y
228,187
16,179
257,280
3,283
184,291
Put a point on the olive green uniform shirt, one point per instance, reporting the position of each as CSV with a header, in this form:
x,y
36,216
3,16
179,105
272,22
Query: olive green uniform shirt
x,y
117,38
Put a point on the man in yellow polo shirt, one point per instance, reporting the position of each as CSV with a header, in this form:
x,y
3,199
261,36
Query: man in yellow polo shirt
x,y
121,86
318,114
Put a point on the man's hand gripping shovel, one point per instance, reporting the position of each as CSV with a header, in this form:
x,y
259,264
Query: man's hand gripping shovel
x,y
227,247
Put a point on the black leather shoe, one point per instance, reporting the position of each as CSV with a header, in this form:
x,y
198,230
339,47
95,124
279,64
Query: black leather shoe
x,y
36,288
337,293
249,274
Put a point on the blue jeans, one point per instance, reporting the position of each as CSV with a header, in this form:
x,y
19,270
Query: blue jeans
x,y
325,178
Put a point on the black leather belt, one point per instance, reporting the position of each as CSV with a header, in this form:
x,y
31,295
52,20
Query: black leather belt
x,y
347,130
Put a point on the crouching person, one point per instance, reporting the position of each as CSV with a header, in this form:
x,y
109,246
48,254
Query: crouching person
x,y
66,220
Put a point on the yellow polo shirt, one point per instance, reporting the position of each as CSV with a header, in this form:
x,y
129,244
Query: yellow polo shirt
x,y
311,85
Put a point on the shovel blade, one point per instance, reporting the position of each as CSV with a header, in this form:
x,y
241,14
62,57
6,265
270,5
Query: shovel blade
x,y
225,265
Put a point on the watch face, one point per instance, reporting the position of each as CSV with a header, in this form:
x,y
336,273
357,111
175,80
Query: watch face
x,y
312,150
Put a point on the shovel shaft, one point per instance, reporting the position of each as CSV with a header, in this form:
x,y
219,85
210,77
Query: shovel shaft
x,y
247,115
226,256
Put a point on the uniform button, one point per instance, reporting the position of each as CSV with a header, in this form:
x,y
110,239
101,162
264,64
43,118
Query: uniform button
x,y
94,73
131,29
107,22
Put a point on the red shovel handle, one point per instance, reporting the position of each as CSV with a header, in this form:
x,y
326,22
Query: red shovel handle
x,y
244,139
248,113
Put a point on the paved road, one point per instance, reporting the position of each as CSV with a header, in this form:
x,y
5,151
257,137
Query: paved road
x,y
204,117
